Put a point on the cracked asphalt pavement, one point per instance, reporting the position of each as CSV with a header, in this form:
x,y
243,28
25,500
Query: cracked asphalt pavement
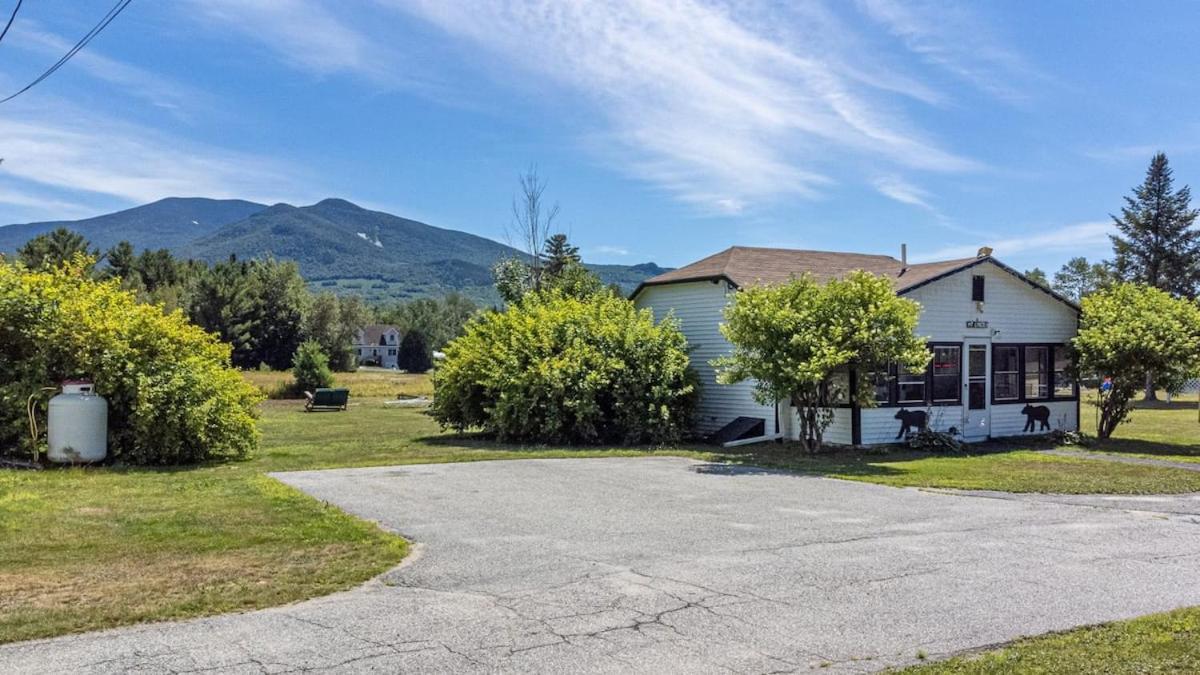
x,y
669,565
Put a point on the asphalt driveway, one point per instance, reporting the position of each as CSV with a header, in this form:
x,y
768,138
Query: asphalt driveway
x,y
668,565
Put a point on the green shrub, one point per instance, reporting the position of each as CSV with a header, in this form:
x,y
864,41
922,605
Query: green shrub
x,y
413,356
555,369
172,397
310,367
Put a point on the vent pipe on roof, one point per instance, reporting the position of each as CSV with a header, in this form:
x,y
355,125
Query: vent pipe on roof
x,y
904,254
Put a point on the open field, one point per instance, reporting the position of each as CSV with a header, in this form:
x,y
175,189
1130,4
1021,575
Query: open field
x,y
1157,429
90,548
364,383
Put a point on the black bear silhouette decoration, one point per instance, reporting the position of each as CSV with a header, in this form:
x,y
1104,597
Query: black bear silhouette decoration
x,y
1034,414
909,420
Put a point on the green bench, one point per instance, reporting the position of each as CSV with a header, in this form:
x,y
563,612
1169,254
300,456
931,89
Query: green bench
x,y
326,399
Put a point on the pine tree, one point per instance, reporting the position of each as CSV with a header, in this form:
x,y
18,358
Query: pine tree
x,y
1157,244
414,354
55,248
559,253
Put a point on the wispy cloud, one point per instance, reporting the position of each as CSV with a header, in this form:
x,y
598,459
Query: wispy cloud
x,y
301,32
698,98
177,97
894,187
1071,238
81,153
608,249
950,37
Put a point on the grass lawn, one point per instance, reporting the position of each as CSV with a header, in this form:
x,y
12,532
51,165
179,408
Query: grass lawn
x,y
1159,643
1156,429
83,549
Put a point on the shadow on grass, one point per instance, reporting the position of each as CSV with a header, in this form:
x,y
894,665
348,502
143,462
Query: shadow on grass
x,y
1140,447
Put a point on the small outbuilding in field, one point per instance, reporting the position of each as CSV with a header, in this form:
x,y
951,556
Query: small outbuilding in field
x,y
1000,366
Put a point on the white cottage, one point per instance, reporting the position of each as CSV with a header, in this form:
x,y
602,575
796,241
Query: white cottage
x,y
999,367
377,345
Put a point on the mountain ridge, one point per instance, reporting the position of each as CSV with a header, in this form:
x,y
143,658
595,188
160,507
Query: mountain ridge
x,y
331,240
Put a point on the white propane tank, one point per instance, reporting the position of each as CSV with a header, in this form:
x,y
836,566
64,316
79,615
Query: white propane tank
x,y
77,426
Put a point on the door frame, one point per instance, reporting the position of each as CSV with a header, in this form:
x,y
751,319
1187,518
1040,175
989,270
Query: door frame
x,y
972,429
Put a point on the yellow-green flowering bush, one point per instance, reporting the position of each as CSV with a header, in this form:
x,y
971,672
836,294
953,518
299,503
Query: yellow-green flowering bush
x,y
558,369
172,396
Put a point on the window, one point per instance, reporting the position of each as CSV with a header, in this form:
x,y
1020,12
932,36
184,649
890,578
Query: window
x,y
977,282
947,370
1064,386
1037,372
837,388
391,352
1040,372
1006,373
910,386
881,381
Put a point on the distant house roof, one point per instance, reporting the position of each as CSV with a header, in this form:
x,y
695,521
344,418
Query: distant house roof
x,y
373,334
747,266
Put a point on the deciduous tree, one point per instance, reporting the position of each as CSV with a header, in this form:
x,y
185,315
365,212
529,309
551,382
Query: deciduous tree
x,y
790,338
1129,330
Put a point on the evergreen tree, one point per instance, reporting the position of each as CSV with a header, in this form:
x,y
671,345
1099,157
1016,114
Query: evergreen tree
x,y
559,253
1157,244
54,248
414,356
121,260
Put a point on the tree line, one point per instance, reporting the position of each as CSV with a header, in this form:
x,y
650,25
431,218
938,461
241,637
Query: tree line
x,y
261,307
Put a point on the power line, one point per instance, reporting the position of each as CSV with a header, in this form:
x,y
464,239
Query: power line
x,y
107,19
10,20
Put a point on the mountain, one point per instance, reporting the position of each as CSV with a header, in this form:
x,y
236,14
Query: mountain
x,y
166,223
339,246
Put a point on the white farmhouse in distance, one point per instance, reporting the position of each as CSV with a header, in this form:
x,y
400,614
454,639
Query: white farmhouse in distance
x,y
1000,367
377,345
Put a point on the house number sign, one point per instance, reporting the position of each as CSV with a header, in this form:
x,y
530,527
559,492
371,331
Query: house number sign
x,y
977,323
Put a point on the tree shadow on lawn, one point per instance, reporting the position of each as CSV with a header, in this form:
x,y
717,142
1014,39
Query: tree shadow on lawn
x,y
761,459
1130,446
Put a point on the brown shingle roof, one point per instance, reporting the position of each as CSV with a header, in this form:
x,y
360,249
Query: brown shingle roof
x,y
373,334
748,266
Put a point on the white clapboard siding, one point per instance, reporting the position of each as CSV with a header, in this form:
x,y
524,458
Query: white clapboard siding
x,y
698,306
1015,312
1020,312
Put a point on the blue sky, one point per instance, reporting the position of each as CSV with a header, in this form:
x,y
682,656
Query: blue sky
x,y
667,129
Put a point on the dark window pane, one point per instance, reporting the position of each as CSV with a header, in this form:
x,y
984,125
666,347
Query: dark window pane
x,y
1037,373
977,288
911,386
946,366
1006,374
1006,360
882,385
1064,387
838,388
1007,386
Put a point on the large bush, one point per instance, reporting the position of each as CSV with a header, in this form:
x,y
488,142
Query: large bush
x,y
556,369
171,394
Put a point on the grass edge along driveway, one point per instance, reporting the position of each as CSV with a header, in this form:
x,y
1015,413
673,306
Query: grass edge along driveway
x,y
85,549
1158,643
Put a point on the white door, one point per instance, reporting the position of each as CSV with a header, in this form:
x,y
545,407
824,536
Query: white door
x,y
976,412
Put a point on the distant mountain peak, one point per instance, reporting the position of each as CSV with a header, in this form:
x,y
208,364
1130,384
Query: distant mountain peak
x,y
337,203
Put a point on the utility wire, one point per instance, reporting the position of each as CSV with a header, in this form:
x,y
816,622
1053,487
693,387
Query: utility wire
x,y
10,20
108,18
